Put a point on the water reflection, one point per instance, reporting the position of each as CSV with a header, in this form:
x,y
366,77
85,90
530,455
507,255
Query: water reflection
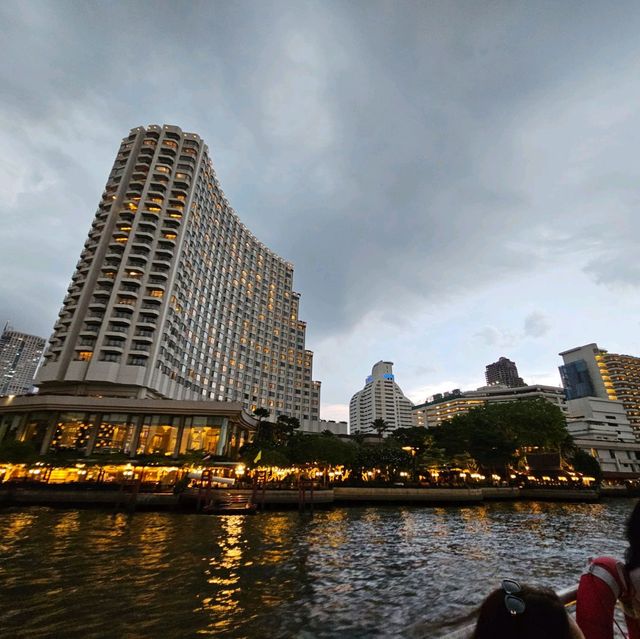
x,y
361,572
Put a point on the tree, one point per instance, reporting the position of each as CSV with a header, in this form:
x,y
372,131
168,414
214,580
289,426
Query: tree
x,y
286,426
379,426
261,414
264,429
493,434
322,449
586,464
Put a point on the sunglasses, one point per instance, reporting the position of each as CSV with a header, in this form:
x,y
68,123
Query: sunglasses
x,y
514,604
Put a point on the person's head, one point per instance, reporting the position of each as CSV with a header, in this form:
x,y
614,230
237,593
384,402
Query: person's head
x,y
524,612
632,557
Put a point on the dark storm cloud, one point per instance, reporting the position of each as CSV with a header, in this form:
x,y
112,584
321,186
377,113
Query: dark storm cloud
x,y
383,148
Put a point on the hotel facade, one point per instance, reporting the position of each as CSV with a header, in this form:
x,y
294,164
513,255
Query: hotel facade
x,y
173,298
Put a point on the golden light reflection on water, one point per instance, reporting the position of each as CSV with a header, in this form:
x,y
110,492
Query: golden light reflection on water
x,y
223,573
67,525
17,527
346,573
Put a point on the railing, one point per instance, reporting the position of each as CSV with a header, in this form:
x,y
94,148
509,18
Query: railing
x,y
567,597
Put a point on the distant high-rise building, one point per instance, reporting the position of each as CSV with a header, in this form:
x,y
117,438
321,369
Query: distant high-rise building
x,y
19,357
504,372
590,371
173,297
381,398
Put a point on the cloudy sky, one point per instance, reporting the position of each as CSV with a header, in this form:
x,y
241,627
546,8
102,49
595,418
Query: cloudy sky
x,y
454,181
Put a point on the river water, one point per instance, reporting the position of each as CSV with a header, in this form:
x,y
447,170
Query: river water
x,y
349,572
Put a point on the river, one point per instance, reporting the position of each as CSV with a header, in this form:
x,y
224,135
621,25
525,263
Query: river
x,y
349,572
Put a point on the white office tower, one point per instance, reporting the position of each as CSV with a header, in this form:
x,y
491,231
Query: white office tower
x,y
174,297
381,398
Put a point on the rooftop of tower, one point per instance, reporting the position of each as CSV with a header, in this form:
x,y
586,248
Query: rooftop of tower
x,y
176,129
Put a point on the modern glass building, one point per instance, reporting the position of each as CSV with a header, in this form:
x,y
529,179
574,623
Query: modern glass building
x,y
173,297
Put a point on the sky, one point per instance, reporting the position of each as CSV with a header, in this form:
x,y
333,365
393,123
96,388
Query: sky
x,y
453,181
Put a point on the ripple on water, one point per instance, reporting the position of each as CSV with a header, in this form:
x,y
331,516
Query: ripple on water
x,y
360,572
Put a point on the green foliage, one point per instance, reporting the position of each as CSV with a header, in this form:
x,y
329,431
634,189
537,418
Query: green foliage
x,y
261,413
387,455
379,426
416,438
323,449
584,463
493,433
15,452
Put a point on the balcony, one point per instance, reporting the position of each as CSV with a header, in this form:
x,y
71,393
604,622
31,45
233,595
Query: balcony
x,y
140,347
167,243
147,227
112,344
148,307
117,329
164,253
142,238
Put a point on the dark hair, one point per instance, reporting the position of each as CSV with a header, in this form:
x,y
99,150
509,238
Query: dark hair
x,y
544,616
632,556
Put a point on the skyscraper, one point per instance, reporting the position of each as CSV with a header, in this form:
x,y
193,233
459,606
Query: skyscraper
x,y
381,398
19,358
504,372
173,296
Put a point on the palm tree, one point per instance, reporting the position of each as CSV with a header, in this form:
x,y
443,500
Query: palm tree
x,y
379,426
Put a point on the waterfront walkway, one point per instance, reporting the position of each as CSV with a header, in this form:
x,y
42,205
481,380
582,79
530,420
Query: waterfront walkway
x,y
78,495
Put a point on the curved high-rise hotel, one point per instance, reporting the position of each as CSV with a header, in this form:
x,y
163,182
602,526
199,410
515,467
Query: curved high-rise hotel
x,y
173,297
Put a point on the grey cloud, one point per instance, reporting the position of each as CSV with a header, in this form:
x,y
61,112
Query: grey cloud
x,y
377,146
621,269
492,336
536,325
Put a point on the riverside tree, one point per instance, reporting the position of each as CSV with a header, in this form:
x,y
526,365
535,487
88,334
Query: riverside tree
x,y
493,434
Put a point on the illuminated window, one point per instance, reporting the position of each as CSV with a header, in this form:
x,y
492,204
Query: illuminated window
x,y
84,356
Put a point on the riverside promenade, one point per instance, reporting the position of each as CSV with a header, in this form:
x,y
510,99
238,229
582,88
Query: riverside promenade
x,y
19,495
